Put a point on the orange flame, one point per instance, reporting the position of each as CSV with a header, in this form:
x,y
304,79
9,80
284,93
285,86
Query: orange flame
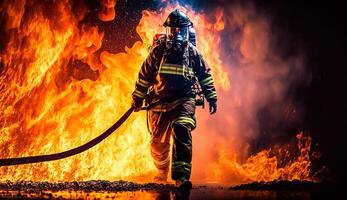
x,y
107,12
58,92
265,167
54,99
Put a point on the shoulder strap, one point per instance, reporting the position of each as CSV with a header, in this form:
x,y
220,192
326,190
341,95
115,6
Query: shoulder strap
x,y
160,58
191,57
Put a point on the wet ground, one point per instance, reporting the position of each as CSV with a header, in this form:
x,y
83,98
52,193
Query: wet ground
x,y
127,190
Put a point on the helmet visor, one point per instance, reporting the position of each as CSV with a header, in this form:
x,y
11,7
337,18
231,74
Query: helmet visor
x,y
177,33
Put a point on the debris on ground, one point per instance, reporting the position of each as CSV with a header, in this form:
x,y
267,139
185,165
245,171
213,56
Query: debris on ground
x,y
87,186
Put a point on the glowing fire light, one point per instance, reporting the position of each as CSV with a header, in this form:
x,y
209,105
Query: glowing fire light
x,y
57,93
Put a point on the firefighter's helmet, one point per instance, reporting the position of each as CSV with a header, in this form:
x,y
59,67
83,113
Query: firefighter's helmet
x,y
177,27
177,19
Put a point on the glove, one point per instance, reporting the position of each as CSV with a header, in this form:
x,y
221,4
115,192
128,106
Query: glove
x,y
137,104
213,107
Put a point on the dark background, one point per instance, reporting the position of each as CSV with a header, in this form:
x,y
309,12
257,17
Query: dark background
x,y
318,27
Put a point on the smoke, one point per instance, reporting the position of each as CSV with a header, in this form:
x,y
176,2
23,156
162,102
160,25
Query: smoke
x,y
260,102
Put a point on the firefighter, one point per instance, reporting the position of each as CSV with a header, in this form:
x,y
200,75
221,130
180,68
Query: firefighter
x,y
168,76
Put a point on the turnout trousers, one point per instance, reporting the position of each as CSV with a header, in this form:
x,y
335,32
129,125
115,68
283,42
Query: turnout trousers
x,y
178,123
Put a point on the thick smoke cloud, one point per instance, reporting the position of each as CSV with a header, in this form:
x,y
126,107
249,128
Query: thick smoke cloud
x,y
259,111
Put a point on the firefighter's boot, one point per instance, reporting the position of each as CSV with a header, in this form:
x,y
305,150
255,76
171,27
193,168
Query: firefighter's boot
x,y
183,184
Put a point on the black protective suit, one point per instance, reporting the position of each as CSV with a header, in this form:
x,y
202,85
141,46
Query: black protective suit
x,y
171,74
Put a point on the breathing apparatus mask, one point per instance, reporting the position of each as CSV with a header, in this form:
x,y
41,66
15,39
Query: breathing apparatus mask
x,y
177,27
177,37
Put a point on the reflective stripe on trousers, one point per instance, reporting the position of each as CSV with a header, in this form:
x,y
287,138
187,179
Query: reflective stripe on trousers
x,y
178,122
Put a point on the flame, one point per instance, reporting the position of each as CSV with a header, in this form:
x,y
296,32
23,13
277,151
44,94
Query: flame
x,y
264,167
58,91
107,12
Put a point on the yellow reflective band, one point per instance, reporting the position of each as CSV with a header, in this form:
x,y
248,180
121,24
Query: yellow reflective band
x,y
139,94
185,120
211,95
143,83
182,170
206,81
171,68
175,69
179,163
171,72
171,65
190,71
181,167
209,82
176,72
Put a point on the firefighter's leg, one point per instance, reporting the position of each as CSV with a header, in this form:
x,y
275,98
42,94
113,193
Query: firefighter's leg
x,y
183,124
160,143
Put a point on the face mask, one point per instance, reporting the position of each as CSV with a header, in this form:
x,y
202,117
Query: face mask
x,y
177,35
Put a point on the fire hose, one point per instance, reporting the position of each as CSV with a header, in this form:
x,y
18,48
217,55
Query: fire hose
x,y
68,153
77,150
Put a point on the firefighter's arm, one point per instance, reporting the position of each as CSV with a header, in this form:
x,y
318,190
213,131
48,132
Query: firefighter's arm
x,y
144,81
206,82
